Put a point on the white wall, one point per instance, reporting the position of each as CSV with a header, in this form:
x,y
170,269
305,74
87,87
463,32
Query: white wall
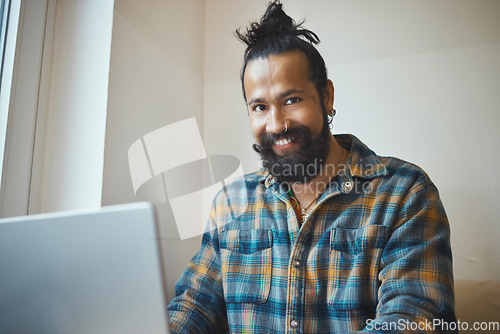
x,y
414,79
156,78
69,147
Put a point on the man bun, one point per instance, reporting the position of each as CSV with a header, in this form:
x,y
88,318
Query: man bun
x,y
275,23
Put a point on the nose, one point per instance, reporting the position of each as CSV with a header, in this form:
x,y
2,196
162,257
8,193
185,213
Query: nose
x,y
276,121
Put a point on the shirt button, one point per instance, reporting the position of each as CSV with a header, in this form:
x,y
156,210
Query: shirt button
x,y
294,324
348,185
296,263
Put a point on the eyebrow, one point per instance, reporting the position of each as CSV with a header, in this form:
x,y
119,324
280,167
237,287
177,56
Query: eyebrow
x,y
282,95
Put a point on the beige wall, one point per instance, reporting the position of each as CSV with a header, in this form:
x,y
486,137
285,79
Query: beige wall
x,y
71,104
156,78
417,80
414,79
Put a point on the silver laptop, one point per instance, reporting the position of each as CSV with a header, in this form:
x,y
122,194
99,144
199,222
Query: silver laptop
x,y
82,272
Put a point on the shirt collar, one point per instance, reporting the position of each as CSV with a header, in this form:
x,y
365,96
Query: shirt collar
x,y
362,162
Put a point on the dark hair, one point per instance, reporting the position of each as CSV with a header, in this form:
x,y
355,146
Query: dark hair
x,y
277,33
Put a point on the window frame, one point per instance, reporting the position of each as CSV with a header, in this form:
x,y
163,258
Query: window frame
x,y
30,31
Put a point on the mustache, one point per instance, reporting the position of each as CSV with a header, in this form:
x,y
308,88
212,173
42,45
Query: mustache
x,y
257,148
267,139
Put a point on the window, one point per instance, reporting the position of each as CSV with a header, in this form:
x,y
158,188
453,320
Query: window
x,y
23,23
4,14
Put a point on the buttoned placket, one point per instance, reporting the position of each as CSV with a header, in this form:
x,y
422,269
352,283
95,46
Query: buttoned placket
x,y
296,279
298,257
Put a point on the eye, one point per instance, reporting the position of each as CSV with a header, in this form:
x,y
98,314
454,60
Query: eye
x,y
259,108
292,100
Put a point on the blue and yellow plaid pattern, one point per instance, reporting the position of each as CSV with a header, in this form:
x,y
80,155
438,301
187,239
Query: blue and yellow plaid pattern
x,y
376,246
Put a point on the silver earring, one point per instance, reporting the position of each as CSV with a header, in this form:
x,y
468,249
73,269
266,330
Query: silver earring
x,y
286,127
333,112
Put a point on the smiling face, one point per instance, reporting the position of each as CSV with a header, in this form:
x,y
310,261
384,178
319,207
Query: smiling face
x,y
278,91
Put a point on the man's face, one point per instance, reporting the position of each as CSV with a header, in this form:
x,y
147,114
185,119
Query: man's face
x,y
279,91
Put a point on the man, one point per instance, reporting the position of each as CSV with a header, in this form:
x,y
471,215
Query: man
x,y
328,237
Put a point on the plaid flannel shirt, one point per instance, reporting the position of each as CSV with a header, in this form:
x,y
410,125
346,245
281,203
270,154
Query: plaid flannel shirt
x,y
373,255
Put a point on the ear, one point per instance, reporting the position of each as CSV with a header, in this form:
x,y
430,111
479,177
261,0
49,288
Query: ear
x,y
329,95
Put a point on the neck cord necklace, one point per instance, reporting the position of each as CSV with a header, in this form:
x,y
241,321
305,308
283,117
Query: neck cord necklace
x,y
303,210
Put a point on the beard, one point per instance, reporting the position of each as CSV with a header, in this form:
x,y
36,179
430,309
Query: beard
x,y
301,166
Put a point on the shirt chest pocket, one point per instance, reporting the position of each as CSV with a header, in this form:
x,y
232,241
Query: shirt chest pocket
x,y
246,264
354,265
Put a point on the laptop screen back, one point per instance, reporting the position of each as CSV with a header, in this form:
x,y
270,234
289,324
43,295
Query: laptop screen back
x,y
88,272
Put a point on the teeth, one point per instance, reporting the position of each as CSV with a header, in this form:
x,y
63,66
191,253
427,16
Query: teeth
x,y
283,141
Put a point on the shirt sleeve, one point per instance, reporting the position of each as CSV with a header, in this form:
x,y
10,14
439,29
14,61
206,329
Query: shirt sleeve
x,y
199,304
416,276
